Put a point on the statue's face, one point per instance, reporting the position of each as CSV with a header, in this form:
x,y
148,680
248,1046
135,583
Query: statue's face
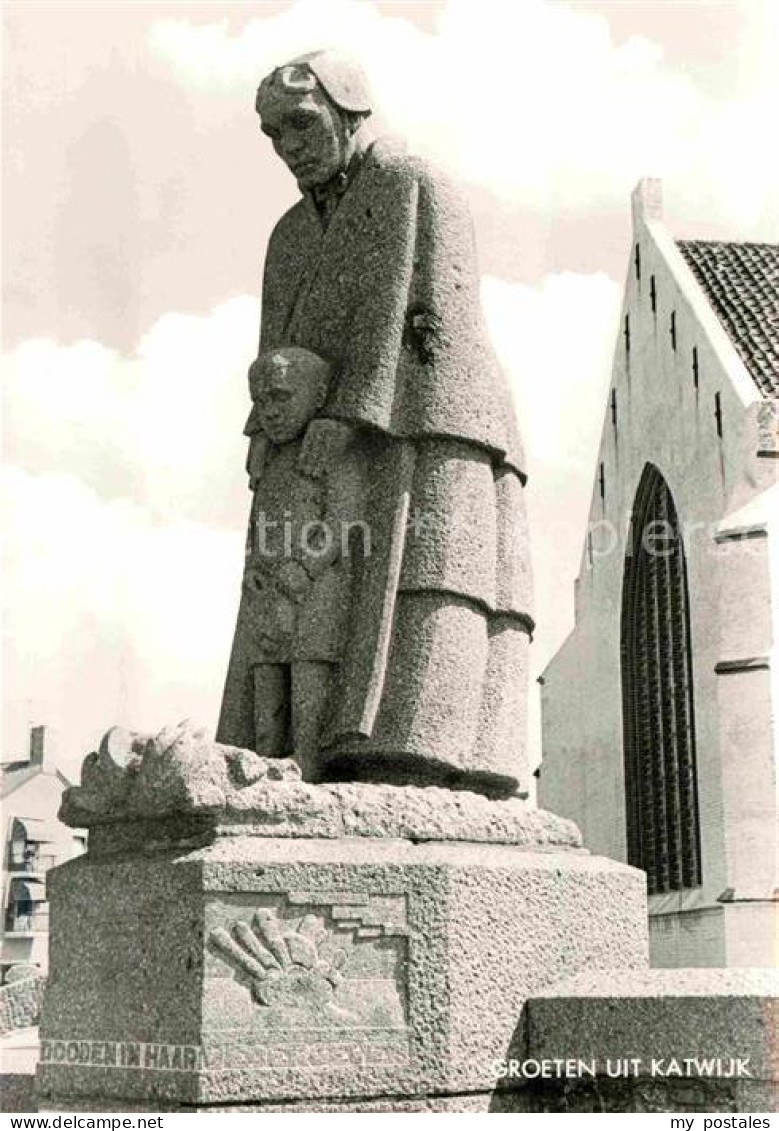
x,y
288,394
308,135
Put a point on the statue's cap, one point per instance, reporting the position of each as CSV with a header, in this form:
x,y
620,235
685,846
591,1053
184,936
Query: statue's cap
x,y
343,80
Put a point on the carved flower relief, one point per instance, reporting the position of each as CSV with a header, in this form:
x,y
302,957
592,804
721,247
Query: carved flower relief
x,y
285,966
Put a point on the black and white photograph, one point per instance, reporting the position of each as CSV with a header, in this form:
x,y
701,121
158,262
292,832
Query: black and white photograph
x,y
390,560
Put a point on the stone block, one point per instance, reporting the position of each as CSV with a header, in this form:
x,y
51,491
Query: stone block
x,y
260,970
657,1040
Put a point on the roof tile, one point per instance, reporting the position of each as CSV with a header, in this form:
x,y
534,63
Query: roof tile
x,y
741,281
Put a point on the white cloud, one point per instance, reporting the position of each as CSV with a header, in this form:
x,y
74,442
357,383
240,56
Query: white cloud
x,y
162,427
121,603
555,341
125,499
111,616
534,101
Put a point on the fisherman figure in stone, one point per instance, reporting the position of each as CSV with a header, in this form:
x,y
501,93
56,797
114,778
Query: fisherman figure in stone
x,y
374,270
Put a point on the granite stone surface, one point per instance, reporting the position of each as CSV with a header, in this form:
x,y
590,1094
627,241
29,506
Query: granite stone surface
x,y
661,1040
633,1094
703,1013
261,969
406,663
648,1096
17,1092
139,793
298,578
477,1102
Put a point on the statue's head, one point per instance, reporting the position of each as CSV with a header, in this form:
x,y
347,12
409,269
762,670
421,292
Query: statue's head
x,y
311,108
288,387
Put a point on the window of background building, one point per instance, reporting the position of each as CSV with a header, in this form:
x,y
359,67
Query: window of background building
x,y
657,696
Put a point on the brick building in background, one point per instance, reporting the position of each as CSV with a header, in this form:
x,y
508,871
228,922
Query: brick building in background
x,y
33,841
659,712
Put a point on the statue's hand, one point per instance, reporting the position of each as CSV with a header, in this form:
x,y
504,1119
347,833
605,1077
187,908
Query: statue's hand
x,y
293,581
323,443
259,446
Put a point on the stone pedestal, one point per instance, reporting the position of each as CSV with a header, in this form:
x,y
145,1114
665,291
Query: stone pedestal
x,y
325,972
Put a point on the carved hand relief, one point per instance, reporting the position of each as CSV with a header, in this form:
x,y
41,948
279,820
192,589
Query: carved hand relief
x,y
288,967
320,957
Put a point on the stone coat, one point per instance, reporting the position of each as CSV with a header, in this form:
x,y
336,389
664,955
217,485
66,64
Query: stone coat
x,y
434,680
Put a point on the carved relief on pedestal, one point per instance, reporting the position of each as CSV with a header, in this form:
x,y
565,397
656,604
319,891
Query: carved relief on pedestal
x,y
286,967
321,960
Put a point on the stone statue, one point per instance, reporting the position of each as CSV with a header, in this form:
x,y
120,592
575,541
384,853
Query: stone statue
x,y
374,270
342,903
293,621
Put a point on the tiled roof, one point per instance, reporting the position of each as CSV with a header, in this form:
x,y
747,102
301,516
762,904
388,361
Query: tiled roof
x,y
741,281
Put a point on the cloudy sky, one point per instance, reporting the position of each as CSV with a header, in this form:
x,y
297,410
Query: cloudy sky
x,y
138,196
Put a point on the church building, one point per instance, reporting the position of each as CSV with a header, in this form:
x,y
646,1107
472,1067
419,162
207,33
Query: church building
x,y
660,709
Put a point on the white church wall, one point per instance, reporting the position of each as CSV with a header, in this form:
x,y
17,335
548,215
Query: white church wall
x,y
675,388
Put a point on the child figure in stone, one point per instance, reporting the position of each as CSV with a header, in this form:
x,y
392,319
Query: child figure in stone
x,y
298,573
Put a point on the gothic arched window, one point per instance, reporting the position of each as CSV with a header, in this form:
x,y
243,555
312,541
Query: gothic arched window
x,y
657,695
